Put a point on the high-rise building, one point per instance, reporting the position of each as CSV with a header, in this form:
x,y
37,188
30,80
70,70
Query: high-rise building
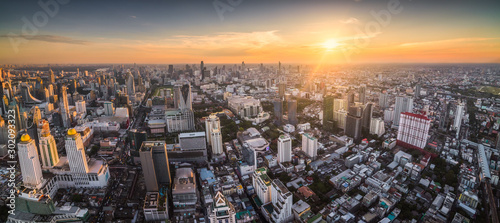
x,y
262,185
292,112
216,143
354,122
222,210
328,109
52,77
64,108
403,104
182,96
109,109
339,104
211,122
284,149
367,116
418,88
459,113
30,164
383,100
130,84
310,145
48,147
362,94
155,165
281,89
76,153
413,130
350,98
377,126
278,111
81,107
282,200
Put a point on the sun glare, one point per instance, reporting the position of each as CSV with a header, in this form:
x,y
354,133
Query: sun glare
x,y
331,44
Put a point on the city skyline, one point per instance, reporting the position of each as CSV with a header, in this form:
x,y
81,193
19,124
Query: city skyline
x,y
219,31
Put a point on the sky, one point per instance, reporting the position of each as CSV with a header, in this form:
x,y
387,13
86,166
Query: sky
x,y
254,31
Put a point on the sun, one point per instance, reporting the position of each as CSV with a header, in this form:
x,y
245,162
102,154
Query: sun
x,y
330,44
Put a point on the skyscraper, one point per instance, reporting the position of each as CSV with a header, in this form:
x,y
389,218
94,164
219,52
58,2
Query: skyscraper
x,y
292,112
182,96
155,166
130,84
76,153
216,143
81,107
284,149
383,100
354,122
282,200
350,98
52,77
262,185
48,147
417,90
403,104
328,109
64,108
310,145
413,130
367,116
278,111
362,94
109,109
211,122
459,113
30,164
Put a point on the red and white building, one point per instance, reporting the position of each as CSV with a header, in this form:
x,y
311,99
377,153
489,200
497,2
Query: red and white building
x,y
413,130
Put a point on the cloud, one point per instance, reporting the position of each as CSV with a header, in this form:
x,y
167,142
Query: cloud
x,y
49,38
446,41
234,39
133,16
351,20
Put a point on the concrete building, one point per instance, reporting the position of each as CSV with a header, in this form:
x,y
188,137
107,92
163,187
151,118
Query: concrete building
x,y
48,147
31,169
216,142
310,145
155,165
284,149
184,193
413,130
262,185
155,207
377,127
403,104
282,202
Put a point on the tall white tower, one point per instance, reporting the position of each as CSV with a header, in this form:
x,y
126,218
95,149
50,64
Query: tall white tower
x,y
48,147
81,107
310,145
76,152
212,122
216,142
458,118
284,149
29,162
